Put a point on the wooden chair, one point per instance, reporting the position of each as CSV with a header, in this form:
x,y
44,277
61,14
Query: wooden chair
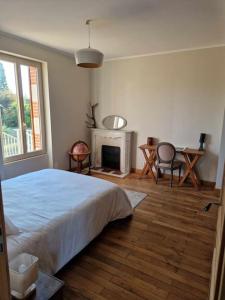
x,y
166,153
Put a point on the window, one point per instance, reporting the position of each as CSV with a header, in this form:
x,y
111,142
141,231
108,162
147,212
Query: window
x,y
21,108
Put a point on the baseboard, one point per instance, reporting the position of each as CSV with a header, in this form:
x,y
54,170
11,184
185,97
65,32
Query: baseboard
x,y
136,171
204,182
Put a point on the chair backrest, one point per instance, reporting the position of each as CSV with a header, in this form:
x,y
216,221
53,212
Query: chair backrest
x,y
166,153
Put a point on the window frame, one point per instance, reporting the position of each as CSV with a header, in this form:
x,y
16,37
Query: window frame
x,y
18,61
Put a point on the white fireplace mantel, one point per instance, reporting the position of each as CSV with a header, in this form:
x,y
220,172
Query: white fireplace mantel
x,y
118,138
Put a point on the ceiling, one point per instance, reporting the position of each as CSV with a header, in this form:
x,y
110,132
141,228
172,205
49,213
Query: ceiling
x,y
121,27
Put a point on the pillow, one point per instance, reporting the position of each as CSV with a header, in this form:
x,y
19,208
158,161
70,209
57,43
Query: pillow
x,y
10,228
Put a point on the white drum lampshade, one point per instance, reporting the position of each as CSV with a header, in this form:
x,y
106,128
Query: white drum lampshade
x,y
89,58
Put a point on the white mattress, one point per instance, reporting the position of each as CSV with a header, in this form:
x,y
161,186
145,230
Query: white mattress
x,y
59,213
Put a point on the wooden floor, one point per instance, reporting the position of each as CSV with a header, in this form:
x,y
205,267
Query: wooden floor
x,y
163,252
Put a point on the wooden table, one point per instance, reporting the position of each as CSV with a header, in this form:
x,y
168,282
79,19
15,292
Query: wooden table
x,y
191,157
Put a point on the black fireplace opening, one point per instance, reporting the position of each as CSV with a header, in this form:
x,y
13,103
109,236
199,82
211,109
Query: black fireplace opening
x,y
110,157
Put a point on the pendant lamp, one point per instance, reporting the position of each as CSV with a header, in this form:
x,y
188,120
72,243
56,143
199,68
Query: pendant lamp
x,y
89,57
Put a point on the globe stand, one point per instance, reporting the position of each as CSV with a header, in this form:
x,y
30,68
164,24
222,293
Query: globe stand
x,y
80,165
78,154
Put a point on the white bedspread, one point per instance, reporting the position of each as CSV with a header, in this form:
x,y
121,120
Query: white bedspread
x,y
59,213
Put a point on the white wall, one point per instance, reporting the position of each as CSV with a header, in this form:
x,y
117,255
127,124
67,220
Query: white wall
x,y
221,161
69,94
173,97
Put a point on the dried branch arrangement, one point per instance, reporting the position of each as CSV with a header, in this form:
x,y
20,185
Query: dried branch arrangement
x,y
91,122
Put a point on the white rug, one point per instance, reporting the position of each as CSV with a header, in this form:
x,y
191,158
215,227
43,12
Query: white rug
x,y
135,197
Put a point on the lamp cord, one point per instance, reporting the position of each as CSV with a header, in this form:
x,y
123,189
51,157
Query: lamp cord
x,y
88,22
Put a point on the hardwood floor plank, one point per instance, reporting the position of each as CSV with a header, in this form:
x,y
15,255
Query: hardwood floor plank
x,y
163,252
140,288
80,294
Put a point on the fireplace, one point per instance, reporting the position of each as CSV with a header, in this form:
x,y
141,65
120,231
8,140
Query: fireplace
x,y
111,152
110,157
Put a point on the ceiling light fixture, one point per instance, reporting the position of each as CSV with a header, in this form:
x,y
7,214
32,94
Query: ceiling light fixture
x,y
89,57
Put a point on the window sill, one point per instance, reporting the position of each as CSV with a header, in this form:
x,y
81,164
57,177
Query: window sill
x,y
35,155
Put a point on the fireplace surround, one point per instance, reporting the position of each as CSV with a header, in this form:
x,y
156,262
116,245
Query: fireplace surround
x,y
106,146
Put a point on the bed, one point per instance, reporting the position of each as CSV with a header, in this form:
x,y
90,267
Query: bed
x,y
58,213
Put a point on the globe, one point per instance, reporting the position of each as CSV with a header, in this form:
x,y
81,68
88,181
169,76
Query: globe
x,y
79,151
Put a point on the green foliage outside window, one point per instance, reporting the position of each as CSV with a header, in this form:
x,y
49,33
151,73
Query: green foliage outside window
x,y
9,105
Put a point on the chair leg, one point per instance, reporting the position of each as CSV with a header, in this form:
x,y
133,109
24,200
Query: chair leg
x,y
157,174
171,180
179,172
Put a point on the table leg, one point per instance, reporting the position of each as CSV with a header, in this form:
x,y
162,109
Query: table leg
x,y
145,170
89,164
150,160
190,171
153,159
70,164
194,172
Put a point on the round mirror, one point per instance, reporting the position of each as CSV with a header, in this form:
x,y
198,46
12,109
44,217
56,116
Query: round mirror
x,y
114,122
